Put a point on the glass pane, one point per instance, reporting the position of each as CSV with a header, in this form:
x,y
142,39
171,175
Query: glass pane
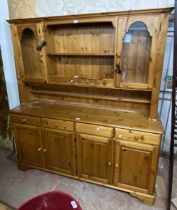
x,y
31,57
136,54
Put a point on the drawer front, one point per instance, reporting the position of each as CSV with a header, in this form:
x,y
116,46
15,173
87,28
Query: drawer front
x,y
137,136
94,130
58,124
23,119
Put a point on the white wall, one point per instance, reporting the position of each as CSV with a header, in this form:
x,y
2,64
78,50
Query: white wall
x,y
34,8
8,56
63,7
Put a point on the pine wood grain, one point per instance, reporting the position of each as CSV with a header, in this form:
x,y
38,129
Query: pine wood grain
x,y
82,117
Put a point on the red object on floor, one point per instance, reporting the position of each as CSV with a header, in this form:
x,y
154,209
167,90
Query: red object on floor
x,y
54,200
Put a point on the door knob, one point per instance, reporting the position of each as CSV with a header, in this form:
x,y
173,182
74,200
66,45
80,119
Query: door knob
x,y
24,120
109,163
56,125
136,138
118,69
39,149
41,45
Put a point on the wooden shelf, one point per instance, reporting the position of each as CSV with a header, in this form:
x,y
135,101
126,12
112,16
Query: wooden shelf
x,y
59,83
82,54
79,95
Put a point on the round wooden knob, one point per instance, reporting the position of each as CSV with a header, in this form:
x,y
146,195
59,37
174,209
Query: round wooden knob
x,y
23,120
45,150
116,165
109,163
39,149
56,125
120,136
136,138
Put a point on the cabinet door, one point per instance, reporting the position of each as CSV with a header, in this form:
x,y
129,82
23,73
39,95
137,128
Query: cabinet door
x,y
32,53
94,158
135,166
29,144
59,151
136,50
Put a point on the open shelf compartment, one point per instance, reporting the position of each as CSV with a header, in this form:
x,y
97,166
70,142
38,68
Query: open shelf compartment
x,y
82,52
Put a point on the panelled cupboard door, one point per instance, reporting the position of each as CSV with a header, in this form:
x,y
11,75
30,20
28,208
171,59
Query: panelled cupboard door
x,y
135,166
136,50
32,47
29,144
94,158
59,151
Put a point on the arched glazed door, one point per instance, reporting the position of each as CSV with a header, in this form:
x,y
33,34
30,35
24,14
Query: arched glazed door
x,y
136,52
32,56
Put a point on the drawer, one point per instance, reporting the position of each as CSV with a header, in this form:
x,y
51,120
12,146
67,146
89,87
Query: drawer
x,y
137,136
94,129
58,124
23,119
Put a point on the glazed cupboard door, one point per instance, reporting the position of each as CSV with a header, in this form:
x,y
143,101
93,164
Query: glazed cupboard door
x,y
136,50
59,151
94,158
29,144
32,45
135,166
